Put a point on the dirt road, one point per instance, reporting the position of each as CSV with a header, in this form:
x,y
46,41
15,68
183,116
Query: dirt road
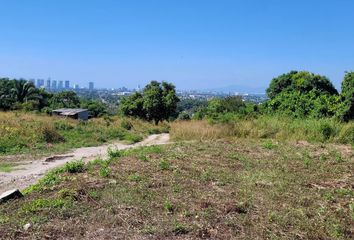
x,y
29,172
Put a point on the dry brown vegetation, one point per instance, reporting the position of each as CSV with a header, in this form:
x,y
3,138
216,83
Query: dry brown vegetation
x,y
220,189
33,133
323,130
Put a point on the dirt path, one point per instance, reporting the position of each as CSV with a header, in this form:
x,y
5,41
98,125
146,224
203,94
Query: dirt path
x,y
29,172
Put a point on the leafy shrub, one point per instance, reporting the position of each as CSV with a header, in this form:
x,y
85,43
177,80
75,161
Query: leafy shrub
x,y
75,166
326,130
114,153
105,171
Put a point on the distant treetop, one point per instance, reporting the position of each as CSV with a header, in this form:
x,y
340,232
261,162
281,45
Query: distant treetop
x,y
302,81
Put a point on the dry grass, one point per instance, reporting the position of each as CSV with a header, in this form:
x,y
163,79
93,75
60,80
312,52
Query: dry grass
x,y
199,130
323,130
25,132
224,189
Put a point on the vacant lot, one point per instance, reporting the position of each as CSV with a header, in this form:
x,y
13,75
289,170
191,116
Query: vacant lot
x,y
41,134
240,189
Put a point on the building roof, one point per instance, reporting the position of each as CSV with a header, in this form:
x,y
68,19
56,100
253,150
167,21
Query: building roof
x,y
69,111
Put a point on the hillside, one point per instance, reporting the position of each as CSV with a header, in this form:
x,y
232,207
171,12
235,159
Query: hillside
x,y
240,188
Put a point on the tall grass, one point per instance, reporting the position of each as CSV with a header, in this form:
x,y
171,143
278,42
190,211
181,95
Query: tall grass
x,y
23,132
323,130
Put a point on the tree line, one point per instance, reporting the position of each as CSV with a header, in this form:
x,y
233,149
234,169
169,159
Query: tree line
x,y
298,94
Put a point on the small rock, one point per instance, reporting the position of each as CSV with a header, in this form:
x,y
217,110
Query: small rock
x,y
26,226
11,194
113,182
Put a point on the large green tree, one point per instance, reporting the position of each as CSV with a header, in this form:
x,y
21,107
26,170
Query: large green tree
x,y
6,98
23,91
302,94
346,111
65,99
157,102
303,81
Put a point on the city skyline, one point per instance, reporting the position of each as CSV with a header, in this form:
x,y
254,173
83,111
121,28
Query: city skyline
x,y
53,84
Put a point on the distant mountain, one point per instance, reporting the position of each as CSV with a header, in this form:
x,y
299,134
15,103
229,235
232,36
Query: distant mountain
x,y
238,88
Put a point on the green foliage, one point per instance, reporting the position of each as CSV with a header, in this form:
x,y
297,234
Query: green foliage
x,y
135,177
179,228
105,171
157,102
164,164
6,98
346,111
300,105
167,205
114,153
44,204
346,134
95,107
187,107
65,99
22,95
303,82
74,166
226,110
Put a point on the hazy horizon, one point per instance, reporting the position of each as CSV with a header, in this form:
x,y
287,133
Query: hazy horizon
x,y
193,44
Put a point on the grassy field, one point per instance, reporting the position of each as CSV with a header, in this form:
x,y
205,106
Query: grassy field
x,y
267,127
33,133
219,189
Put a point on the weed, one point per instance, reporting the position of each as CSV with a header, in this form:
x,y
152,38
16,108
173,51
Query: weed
x,y
105,171
67,193
114,153
135,177
44,204
207,175
167,205
164,164
93,194
179,228
268,145
74,166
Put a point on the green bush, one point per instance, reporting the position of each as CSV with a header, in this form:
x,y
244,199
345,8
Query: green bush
x,y
326,130
75,166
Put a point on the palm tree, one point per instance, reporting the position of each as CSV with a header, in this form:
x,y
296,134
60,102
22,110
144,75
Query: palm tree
x,y
23,91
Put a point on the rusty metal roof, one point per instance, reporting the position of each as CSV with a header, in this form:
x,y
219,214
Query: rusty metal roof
x,y
69,111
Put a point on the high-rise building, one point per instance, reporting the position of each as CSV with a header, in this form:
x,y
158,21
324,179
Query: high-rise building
x,y
48,85
60,84
91,85
76,86
54,84
40,83
67,84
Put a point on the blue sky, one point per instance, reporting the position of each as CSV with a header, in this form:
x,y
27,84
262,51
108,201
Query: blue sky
x,y
196,44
